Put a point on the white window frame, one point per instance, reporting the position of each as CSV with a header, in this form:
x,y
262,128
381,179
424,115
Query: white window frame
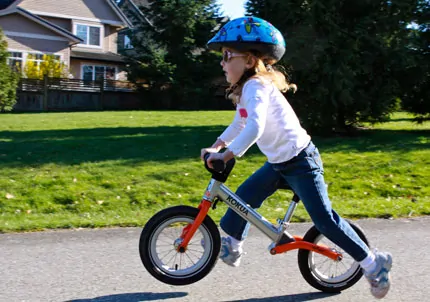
x,y
26,53
88,25
38,61
22,59
40,53
94,70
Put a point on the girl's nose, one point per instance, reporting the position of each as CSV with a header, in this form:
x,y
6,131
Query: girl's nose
x,y
222,63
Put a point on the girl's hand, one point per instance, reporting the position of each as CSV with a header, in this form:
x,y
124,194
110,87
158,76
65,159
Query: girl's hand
x,y
207,150
214,156
218,145
225,157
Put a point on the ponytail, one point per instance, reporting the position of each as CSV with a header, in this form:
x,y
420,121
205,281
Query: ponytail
x,y
262,70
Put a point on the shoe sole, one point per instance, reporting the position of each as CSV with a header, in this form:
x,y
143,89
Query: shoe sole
x,y
388,268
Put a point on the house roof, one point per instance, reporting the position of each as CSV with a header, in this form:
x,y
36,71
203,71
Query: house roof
x,y
141,2
135,6
119,12
5,3
97,56
135,2
62,32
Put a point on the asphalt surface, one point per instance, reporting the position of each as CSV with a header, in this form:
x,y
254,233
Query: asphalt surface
x,y
104,265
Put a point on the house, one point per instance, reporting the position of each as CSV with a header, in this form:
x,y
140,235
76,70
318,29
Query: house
x,y
81,33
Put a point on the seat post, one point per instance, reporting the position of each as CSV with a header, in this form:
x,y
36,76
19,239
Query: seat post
x,y
290,211
284,236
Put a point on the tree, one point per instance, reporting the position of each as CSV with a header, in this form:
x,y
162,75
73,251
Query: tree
x,y
343,55
170,53
416,76
8,78
49,66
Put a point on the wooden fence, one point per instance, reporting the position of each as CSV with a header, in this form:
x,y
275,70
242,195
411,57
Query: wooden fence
x,y
57,94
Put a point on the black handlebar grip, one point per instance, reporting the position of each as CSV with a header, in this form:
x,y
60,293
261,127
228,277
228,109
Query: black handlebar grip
x,y
218,165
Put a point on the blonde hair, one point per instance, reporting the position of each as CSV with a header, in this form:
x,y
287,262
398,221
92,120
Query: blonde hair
x,y
262,70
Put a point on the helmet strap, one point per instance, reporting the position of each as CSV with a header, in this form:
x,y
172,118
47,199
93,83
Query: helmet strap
x,y
237,87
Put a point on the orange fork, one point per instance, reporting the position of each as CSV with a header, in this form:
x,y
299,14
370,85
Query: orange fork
x,y
189,231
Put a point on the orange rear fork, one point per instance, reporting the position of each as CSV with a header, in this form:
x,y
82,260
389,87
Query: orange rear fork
x,y
300,244
189,231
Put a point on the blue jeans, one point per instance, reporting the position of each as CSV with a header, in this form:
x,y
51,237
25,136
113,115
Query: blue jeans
x,y
304,174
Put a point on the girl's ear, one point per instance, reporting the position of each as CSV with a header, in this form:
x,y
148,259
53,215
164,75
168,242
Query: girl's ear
x,y
251,61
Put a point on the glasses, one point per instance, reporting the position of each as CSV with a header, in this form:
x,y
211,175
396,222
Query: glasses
x,y
228,55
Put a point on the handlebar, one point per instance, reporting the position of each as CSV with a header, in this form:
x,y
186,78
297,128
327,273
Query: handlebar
x,y
221,170
218,165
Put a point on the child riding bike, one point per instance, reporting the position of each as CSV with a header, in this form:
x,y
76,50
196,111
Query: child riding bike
x,y
250,47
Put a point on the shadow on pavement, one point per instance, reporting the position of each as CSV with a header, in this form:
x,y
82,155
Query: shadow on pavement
x,y
133,297
295,298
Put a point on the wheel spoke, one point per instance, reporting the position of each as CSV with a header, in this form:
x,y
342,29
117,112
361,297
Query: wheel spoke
x,y
171,236
343,264
167,242
191,253
170,260
190,259
167,254
324,260
335,271
198,251
327,268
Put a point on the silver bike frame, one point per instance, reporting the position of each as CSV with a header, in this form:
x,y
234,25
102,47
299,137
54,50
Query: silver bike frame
x,y
217,189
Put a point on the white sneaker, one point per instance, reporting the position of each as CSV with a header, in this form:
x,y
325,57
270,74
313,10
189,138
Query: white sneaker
x,y
379,279
227,254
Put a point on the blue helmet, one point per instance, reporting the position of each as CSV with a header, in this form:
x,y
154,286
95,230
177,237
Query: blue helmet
x,y
250,34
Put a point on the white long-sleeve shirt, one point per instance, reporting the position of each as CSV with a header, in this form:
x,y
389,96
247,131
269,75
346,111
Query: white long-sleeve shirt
x,y
265,117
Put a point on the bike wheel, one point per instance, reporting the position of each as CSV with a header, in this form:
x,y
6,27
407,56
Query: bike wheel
x,y
160,236
324,273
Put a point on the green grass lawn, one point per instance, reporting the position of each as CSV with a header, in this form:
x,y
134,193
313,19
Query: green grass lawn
x,y
94,169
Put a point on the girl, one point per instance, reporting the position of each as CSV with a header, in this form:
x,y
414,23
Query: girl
x,y
250,46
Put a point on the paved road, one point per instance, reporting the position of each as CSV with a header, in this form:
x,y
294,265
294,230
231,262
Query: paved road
x,y
104,265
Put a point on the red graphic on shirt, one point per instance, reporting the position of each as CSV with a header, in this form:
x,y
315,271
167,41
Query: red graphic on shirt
x,y
243,113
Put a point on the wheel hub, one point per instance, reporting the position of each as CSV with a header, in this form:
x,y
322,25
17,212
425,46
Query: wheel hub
x,y
177,244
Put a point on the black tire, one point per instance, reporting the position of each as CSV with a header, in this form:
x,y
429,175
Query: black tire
x,y
317,278
168,220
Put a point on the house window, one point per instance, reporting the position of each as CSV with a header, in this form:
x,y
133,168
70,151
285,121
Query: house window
x,y
88,73
37,58
97,73
15,60
91,35
127,43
